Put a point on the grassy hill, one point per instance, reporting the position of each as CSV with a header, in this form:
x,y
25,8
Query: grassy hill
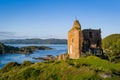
x,y
85,68
112,42
111,47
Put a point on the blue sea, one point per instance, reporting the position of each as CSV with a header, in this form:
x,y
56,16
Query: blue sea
x,y
57,49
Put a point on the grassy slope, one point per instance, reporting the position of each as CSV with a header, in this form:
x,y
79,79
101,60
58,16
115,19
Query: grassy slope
x,y
112,42
111,47
81,69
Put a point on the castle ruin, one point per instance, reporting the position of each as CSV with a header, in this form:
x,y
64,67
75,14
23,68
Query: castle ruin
x,y
82,41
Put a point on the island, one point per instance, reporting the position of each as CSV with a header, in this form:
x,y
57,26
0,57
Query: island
x,y
24,50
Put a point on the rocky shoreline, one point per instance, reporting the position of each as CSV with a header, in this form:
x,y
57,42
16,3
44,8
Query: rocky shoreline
x,y
51,57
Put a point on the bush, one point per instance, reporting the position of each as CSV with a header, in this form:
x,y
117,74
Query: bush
x,y
26,63
9,66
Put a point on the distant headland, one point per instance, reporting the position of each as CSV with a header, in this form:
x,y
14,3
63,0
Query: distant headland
x,y
34,41
23,50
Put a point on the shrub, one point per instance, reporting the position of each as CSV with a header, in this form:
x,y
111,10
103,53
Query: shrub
x,y
9,66
26,63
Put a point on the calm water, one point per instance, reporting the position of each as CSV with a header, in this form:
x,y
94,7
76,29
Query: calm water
x,y
6,58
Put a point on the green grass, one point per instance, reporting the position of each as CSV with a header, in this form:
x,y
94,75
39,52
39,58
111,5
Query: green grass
x,y
85,68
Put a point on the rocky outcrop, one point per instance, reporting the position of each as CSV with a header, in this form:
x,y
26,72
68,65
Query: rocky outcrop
x,y
51,57
48,57
105,75
62,57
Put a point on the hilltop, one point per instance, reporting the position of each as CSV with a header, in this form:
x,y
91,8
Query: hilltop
x,y
34,41
111,47
85,68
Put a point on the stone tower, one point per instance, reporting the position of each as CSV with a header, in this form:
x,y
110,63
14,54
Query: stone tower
x,y
75,41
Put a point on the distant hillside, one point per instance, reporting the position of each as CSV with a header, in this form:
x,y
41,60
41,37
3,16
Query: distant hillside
x,y
34,41
25,50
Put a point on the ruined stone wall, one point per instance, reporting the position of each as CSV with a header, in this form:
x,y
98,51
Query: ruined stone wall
x,y
92,38
75,41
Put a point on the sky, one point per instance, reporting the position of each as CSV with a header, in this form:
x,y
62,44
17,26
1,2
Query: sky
x,y
22,19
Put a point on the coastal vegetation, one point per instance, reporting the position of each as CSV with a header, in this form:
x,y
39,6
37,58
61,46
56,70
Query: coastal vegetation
x,y
111,47
24,50
85,68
